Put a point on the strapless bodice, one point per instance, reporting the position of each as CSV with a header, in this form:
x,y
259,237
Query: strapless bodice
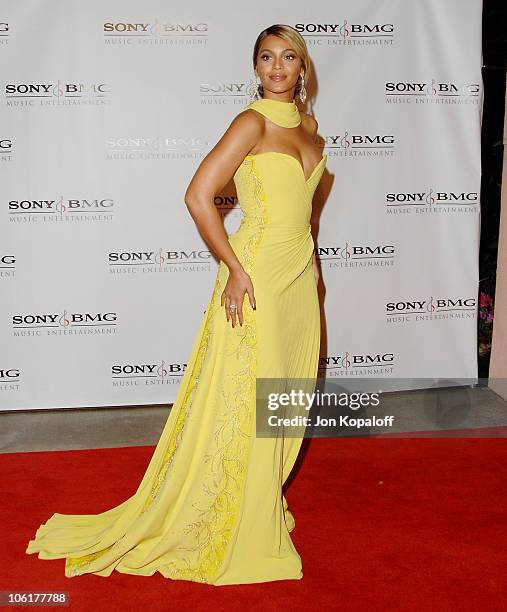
x,y
276,181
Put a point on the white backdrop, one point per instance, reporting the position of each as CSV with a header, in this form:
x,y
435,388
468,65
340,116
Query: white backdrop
x,y
107,109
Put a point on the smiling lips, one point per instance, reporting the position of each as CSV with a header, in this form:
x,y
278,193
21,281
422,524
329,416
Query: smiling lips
x,y
277,77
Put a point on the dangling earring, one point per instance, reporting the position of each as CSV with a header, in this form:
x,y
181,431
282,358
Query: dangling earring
x,y
256,95
302,91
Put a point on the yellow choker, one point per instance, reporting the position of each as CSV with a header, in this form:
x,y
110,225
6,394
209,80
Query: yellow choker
x,y
285,114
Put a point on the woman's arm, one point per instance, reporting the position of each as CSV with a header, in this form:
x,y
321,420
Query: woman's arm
x,y
213,173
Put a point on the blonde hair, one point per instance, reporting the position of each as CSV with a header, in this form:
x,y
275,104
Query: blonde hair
x,y
291,35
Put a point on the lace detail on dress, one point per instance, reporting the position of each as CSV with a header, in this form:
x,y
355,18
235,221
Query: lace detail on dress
x,y
259,215
228,462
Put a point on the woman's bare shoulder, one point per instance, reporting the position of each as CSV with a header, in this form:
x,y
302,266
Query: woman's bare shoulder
x,y
246,127
249,119
219,165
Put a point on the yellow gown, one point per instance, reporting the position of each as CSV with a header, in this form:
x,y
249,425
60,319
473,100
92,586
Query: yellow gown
x,y
209,507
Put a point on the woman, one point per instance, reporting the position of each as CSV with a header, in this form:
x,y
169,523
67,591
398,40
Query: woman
x,y
210,506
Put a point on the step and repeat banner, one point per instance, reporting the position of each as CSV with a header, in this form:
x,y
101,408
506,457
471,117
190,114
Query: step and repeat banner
x,y
106,110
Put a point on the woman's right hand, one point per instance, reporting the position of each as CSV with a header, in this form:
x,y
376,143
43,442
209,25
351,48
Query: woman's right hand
x,y
238,283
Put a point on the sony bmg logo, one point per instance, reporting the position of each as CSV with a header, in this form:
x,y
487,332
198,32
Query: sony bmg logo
x,y
151,370
225,201
348,360
432,88
153,28
159,257
61,205
346,29
368,141
226,89
430,305
46,90
192,143
432,196
349,251
64,320
9,373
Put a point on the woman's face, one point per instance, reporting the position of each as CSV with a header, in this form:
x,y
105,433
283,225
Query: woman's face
x,y
278,65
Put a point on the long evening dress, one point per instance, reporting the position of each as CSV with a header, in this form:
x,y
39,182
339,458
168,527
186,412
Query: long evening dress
x,y
209,507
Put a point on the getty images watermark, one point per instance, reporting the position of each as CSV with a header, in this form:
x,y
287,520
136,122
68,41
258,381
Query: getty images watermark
x,y
374,406
301,399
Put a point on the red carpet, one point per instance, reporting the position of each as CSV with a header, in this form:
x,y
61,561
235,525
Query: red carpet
x,y
381,524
